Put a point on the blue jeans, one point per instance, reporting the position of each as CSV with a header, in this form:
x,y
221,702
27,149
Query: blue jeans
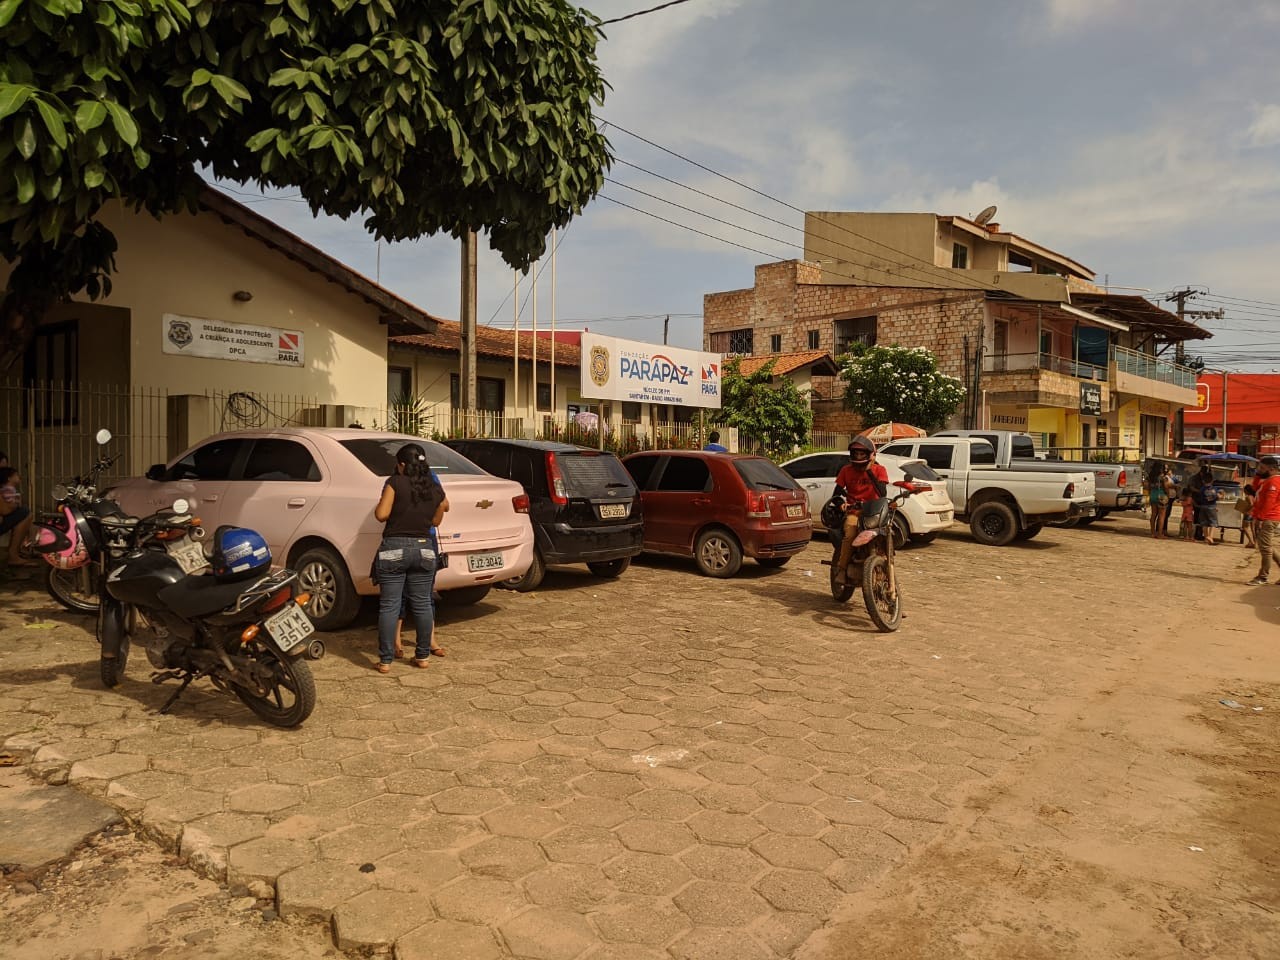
x,y
406,569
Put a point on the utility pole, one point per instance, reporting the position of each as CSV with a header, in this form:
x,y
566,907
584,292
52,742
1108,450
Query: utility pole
x,y
666,326
1180,357
467,374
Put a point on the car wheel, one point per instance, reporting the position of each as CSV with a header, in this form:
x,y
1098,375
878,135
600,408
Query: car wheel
x,y
610,569
924,537
994,524
465,596
532,578
718,554
334,602
772,563
1031,531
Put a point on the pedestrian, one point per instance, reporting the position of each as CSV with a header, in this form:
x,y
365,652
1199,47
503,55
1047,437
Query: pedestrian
x,y
15,519
713,443
1266,511
1205,495
1158,497
412,503
1187,528
1244,506
406,613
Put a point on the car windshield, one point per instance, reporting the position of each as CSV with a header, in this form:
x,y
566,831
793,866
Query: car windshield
x,y
594,474
378,454
761,474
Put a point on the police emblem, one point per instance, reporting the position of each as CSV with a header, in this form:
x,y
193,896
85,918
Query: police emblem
x,y
599,366
180,333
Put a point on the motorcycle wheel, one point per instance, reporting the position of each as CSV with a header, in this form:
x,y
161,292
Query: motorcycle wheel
x,y
840,594
289,690
72,588
113,618
884,613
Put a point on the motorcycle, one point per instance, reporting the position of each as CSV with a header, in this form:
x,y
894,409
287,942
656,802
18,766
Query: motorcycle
x,y
248,633
871,564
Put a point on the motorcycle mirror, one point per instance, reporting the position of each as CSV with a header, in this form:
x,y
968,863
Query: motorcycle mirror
x,y
181,506
59,492
103,437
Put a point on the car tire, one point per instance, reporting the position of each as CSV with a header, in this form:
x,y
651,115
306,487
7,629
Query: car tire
x,y
772,563
610,569
465,596
994,524
532,578
718,553
322,573
1086,521
923,538
1031,531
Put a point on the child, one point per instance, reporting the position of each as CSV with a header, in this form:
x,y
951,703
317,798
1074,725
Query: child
x,y
15,519
1187,528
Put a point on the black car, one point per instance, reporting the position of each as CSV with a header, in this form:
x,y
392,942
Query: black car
x,y
583,503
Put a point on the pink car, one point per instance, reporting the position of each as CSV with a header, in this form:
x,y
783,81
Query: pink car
x,y
311,492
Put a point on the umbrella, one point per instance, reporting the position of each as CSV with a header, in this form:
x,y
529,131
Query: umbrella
x,y
888,432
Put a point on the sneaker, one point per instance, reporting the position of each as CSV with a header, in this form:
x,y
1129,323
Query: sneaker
x,y
1256,582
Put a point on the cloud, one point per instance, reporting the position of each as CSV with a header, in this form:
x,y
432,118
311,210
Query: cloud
x,y
1265,129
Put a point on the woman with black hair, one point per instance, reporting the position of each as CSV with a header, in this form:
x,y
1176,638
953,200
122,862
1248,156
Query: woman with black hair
x,y
412,503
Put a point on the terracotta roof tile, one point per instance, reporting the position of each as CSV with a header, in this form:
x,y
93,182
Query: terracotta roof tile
x,y
490,342
790,362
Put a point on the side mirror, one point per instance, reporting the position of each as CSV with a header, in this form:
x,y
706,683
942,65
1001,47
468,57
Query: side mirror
x,y
103,437
155,471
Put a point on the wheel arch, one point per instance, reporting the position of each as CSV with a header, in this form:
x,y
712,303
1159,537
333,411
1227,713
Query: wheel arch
x,y
999,495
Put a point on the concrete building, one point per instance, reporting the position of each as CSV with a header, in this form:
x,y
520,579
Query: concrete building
x,y
1235,413
1038,345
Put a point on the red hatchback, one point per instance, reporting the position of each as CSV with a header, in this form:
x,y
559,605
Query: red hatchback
x,y
719,507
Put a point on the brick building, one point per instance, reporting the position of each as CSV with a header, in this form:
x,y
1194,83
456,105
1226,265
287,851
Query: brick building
x,y
1038,346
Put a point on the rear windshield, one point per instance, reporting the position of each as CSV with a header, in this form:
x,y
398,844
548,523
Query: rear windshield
x,y
1024,448
920,471
982,454
761,474
379,456
593,474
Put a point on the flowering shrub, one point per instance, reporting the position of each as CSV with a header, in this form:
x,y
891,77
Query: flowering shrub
x,y
900,384
772,418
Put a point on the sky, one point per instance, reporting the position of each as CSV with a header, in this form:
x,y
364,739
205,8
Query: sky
x,y
1139,137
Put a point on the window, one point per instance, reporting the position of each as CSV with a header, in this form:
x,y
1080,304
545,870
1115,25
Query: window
x,y
775,343
937,455
762,474
981,455
815,339
544,396
630,412
399,385
641,469
959,256
733,342
1024,448
898,450
51,371
213,461
379,457
920,471
855,332
685,475
281,460
819,465
490,393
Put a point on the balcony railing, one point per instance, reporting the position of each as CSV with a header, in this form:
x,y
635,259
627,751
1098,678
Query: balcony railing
x,y
1144,365
1013,362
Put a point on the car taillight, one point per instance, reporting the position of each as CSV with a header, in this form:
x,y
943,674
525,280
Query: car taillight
x,y
278,600
1070,491
555,481
1124,479
757,505
521,503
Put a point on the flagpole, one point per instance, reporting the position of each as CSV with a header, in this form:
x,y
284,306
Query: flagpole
x,y
553,324
515,336
533,357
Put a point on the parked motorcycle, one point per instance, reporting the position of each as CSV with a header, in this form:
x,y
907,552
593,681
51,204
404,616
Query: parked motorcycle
x,y
871,564
240,625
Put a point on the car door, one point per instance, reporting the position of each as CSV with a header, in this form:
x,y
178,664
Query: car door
x,y
200,476
939,457
682,495
644,467
278,485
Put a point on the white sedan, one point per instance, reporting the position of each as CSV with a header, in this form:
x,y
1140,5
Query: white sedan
x,y
918,518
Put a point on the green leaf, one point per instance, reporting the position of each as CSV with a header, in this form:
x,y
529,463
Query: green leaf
x,y
53,123
7,9
314,104
94,174
124,124
299,8
25,181
24,138
230,90
13,96
321,139
262,138
201,77
89,115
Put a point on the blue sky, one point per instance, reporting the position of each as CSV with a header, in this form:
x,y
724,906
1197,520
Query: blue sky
x,y
1140,137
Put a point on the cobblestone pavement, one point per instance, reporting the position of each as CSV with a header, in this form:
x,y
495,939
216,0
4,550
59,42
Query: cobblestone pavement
x,y
659,766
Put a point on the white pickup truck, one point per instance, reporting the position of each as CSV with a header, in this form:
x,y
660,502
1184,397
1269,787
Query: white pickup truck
x,y
1001,505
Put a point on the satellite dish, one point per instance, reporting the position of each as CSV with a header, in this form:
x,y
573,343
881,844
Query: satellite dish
x,y
985,216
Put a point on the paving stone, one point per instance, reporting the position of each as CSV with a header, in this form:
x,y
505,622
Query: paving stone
x,y
576,844
360,844
718,904
646,873
798,891
544,933
641,920
315,889
376,919
266,859
107,766
523,820
440,832
791,819
670,805
595,812
709,943
613,786
796,853
471,801
574,886
715,826
417,871
265,798
439,939
730,799
506,857
479,900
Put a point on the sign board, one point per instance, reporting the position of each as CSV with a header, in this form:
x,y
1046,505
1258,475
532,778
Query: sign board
x,y
1203,396
1090,400
614,369
1008,418
224,340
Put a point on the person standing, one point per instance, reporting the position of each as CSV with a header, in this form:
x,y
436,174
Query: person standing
x,y
713,443
412,503
15,519
1159,485
1266,513
1205,495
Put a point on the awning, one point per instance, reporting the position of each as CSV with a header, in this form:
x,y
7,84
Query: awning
x,y
1046,310
1141,315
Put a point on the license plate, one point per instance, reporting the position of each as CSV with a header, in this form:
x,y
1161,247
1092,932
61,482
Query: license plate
x,y
609,511
477,562
290,627
795,510
188,554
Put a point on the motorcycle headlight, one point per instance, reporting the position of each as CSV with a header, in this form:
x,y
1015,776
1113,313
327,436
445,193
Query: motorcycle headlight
x,y
874,514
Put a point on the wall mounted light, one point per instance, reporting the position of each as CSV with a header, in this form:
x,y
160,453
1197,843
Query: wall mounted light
x,y
243,296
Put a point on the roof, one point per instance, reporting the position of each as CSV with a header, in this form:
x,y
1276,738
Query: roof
x,y
1004,236
785,363
1141,315
398,313
1052,310
490,342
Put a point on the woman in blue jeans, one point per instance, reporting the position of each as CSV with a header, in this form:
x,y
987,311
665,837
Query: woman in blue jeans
x,y
412,503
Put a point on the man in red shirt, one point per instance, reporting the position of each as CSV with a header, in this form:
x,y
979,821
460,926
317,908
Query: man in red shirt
x,y
859,480
1266,512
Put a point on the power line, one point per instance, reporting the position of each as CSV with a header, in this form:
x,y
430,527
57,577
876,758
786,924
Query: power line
x,y
712,236
641,13
1222,296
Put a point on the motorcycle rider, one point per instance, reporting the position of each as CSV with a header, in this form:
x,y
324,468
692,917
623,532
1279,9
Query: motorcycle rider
x,y
859,480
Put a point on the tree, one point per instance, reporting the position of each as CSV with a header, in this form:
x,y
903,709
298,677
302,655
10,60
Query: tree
x,y
774,416
421,115
902,384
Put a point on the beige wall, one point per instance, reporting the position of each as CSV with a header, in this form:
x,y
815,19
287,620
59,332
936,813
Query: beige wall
x,y
191,264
